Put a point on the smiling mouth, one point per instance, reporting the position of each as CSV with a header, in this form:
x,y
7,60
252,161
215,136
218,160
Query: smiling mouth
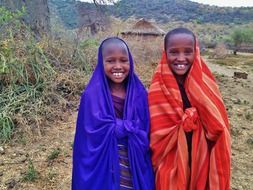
x,y
180,66
117,75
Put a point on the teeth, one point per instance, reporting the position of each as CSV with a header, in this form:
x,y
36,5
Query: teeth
x,y
118,74
181,66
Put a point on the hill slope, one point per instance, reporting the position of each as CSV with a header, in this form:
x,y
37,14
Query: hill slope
x,y
159,10
166,10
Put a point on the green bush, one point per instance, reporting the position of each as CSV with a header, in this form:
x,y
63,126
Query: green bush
x,y
242,35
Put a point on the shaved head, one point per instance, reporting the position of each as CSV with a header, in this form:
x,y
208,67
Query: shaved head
x,y
114,41
177,31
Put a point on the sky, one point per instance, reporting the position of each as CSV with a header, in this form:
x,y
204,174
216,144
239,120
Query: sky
x,y
227,3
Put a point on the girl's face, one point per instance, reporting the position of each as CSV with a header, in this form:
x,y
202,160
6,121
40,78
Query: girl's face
x,y
180,53
116,62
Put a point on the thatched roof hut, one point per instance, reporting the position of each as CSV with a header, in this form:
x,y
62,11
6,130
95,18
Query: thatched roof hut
x,y
143,28
145,40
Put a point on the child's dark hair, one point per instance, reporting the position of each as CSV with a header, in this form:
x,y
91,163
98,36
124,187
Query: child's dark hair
x,y
177,31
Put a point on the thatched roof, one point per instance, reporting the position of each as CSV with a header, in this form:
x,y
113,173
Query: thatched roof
x,y
144,27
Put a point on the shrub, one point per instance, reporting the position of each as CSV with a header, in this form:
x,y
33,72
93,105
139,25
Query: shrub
x,y
40,79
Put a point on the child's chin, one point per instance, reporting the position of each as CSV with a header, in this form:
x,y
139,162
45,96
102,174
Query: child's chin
x,y
180,72
118,81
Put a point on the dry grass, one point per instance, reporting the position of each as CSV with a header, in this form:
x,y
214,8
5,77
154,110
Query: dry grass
x,y
39,80
239,60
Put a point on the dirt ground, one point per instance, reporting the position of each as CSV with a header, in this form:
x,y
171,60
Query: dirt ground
x,y
44,163
237,95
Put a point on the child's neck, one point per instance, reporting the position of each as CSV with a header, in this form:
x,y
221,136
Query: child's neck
x,y
180,79
118,90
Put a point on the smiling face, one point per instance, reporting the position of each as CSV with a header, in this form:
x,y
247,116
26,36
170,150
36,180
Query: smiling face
x,y
180,53
116,62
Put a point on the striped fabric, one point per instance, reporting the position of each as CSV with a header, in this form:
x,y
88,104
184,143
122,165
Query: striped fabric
x,y
207,119
125,175
125,172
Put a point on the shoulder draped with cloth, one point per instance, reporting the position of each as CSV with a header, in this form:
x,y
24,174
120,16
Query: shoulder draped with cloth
x,y
203,125
101,132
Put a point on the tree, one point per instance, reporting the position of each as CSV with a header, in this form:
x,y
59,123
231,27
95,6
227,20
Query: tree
x,y
37,13
93,16
241,36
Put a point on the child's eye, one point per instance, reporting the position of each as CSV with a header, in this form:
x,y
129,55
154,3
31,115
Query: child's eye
x,y
110,61
124,60
173,52
188,52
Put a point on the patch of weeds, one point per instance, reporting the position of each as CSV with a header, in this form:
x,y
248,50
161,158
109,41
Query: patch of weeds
x,y
6,126
216,73
71,144
238,101
245,102
251,107
51,175
235,132
250,141
249,116
31,174
65,153
54,154
21,138
230,107
239,114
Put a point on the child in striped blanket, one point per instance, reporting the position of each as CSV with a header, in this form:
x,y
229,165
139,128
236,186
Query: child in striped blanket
x,y
190,137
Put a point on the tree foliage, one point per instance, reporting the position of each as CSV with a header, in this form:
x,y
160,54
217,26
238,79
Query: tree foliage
x,y
37,14
242,35
160,10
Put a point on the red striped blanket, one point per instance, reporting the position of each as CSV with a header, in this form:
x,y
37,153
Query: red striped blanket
x,y
207,118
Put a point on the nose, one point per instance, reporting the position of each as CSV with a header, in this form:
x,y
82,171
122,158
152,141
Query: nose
x,y
181,57
117,65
